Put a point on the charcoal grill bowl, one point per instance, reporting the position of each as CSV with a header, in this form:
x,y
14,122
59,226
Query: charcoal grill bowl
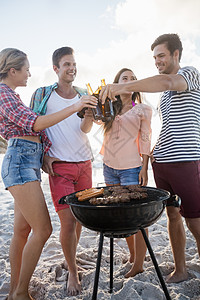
x,y
120,218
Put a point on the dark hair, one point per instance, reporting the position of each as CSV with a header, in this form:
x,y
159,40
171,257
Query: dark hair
x,y
59,53
11,58
172,42
117,105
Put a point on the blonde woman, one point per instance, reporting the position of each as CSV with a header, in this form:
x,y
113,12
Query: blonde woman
x,y
20,172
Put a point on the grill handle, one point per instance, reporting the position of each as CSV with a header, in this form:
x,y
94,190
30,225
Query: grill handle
x,y
175,201
62,200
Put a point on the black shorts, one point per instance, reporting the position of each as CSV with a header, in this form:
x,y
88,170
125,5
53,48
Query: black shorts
x,y
183,179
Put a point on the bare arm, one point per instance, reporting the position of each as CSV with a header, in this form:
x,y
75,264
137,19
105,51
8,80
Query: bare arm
x,y
43,122
143,175
87,122
154,84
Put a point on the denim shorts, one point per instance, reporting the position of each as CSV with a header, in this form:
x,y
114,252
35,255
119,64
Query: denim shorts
x,y
22,162
123,177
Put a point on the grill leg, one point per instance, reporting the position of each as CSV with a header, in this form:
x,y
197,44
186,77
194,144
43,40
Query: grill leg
x,y
111,265
96,279
155,264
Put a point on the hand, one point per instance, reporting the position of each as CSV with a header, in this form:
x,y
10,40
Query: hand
x,y
86,101
98,122
110,91
143,177
152,159
47,164
88,114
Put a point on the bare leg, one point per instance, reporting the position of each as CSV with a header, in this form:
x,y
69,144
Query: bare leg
x,y
78,234
140,252
194,226
130,243
68,239
78,231
177,240
19,239
31,212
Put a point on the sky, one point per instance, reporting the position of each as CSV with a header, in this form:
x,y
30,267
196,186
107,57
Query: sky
x,y
106,36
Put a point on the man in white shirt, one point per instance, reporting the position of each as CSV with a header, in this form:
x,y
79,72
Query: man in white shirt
x,y
69,160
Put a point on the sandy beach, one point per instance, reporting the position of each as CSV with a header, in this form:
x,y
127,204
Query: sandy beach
x,y
49,279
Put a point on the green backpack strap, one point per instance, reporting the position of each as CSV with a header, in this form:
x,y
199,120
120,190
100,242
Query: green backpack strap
x,y
40,97
80,91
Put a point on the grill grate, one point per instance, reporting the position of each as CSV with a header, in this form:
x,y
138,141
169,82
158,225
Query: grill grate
x,y
153,194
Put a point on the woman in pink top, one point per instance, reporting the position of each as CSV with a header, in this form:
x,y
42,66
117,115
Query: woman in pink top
x,y
126,149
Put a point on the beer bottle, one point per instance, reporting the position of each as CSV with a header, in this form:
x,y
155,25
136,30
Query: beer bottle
x,y
100,112
103,82
107,108
97,111
82,112
89,89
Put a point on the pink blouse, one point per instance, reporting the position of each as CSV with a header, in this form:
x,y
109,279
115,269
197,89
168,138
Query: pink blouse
x,y
129,137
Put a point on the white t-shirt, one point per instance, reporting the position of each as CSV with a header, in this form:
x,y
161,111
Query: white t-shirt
x,y
69,142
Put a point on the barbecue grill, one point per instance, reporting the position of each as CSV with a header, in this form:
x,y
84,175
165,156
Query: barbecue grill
x,y
121,220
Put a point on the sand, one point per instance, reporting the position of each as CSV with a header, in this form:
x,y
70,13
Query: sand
x,y
49,279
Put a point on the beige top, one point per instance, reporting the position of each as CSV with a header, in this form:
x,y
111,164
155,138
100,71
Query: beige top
x,y
129,137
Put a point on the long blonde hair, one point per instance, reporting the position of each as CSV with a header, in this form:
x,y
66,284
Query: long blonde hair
x,y
11,58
